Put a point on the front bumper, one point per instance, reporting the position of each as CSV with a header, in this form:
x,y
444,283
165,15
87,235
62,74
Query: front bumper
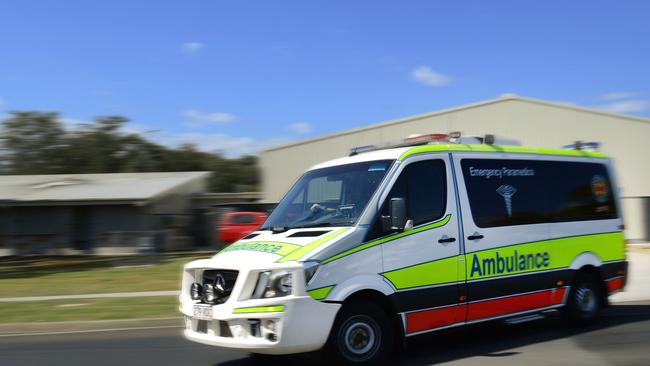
x,y
302,325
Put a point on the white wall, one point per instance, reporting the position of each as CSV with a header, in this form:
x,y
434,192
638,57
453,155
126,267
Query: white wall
x,y
636,217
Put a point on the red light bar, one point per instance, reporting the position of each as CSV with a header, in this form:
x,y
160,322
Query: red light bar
x,y
424,138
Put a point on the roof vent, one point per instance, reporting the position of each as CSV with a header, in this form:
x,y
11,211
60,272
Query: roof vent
x,y
308,234
59,183
250,236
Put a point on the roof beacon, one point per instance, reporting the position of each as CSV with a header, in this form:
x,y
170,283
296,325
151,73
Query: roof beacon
x,y
361,149
584,146
488,139
426,138
454,137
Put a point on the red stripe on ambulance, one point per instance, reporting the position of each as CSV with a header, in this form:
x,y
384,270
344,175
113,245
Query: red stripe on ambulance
x,y
515,304
435,318
441,317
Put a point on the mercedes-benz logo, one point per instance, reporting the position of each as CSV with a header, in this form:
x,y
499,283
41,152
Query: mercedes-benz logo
x,y
220,284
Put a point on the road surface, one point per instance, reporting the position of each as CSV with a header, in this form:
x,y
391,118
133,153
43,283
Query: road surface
x,y
622,337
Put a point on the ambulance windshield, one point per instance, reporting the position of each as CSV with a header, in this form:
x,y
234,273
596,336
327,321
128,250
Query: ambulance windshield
x,y
333,196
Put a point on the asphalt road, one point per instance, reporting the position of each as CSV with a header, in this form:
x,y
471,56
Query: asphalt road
x,y
622,337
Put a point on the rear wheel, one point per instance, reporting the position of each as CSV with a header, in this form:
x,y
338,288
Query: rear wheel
x,y
585,299
362,334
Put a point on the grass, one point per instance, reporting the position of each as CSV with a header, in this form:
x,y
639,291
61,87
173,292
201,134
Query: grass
x,y
89,309
44,276
86,275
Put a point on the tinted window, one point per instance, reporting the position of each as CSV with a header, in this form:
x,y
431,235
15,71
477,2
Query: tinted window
x,y
517,192
427,190
506,192
424,186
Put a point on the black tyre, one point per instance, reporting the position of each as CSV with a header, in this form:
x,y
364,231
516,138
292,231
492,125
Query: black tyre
x,y
362,335
585,299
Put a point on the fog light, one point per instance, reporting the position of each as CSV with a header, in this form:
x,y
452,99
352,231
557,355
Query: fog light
x,y
269,324
255,327
195,291
209,295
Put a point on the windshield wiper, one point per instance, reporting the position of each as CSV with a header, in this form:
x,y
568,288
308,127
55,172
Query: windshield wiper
x,y
321,224
281,229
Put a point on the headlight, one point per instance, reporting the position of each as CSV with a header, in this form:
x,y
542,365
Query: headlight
x,y
209,295
273,284
196,290
310,269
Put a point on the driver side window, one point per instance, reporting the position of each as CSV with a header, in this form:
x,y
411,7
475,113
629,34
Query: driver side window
x,y
424,186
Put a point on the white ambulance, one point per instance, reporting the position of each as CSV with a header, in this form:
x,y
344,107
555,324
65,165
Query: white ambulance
x,y
438,232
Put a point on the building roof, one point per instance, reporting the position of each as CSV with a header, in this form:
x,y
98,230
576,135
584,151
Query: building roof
x,y
501,99
112,188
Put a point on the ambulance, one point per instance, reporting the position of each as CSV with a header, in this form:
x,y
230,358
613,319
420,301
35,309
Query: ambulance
x,y
434,232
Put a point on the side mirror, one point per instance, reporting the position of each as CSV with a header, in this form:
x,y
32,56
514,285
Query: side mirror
x,y
396,219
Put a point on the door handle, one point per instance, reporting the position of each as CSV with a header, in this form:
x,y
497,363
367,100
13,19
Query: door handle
x,y
446,240
475,236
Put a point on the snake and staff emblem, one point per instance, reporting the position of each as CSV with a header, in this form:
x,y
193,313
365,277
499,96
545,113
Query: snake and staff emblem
x,y
507,191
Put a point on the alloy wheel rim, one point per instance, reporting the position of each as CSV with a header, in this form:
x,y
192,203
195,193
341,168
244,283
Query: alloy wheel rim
x,y
586,300
360,338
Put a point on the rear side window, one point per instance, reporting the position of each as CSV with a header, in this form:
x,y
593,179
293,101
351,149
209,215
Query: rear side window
x,y
519,192
582,191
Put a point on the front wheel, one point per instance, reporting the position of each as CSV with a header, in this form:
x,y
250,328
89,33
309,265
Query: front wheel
x,y
362,335
585,299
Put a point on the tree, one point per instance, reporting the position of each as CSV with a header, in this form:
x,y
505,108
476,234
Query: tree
x,y
99,147
38,143
34,142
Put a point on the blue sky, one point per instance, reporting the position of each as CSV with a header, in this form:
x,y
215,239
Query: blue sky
x,y
239,75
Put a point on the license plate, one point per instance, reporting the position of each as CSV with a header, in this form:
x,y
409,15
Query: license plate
x,y
203,312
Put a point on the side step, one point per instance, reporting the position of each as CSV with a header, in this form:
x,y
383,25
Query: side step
x,y
524,319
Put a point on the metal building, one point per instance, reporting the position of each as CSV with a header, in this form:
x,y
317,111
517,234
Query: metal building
x,y
533,122
87,213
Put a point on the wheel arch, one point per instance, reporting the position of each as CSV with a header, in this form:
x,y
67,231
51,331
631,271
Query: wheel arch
x,y
355,284
375,290
586,259
589,262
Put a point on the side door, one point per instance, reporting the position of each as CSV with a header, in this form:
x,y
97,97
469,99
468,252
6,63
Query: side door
x,y
422,263
504,200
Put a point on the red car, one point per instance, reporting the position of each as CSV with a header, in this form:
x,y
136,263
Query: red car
x,y
236,225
